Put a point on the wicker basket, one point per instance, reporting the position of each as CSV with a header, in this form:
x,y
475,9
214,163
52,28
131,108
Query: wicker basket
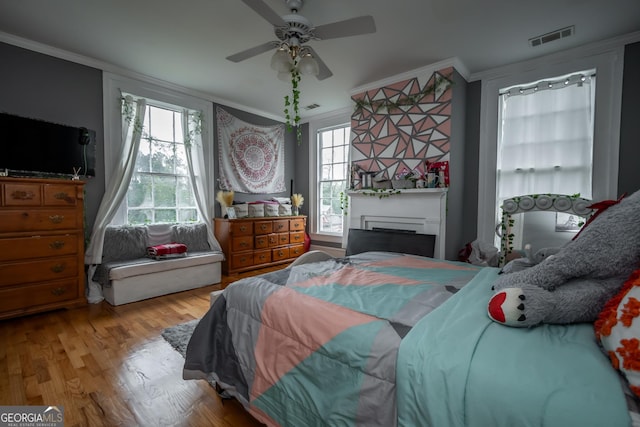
x,y
383,184
399,184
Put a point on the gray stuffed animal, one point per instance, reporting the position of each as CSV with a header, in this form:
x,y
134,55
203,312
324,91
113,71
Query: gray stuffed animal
x,y
530,259
574,284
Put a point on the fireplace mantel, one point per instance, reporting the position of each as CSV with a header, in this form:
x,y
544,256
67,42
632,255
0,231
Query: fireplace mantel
x,y
418,210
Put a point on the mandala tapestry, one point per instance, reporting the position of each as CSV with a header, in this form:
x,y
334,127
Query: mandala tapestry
x,y
251,157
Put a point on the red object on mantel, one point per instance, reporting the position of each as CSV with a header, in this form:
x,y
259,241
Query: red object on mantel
x,y
440,167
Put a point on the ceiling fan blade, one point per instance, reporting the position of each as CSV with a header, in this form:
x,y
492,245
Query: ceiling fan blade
x,y
262,9
324,72
246,54
346,28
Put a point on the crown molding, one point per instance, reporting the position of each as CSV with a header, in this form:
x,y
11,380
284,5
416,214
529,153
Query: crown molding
x,y
585,50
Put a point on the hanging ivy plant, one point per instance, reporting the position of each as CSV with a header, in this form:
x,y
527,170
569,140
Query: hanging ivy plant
x,y
293,115
408,100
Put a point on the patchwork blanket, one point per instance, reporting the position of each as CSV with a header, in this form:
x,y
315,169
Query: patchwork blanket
x,y
317,344
381,339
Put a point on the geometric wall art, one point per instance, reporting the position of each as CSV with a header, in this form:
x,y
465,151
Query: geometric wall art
x,y
403,125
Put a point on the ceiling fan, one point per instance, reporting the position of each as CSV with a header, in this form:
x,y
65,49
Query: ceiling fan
x,y
293,31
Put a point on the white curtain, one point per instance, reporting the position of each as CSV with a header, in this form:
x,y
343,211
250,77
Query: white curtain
x,y
545,138
196,155
116,189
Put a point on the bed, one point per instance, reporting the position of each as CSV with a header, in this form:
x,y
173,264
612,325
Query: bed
x,y
386,339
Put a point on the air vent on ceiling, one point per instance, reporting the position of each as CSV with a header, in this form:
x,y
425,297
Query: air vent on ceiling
x,y
554,35
311,106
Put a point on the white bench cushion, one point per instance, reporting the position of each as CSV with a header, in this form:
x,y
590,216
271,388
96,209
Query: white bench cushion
x,y
153,266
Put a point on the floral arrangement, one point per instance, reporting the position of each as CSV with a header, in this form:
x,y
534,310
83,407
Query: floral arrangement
x,y
225,198
296,201
410,175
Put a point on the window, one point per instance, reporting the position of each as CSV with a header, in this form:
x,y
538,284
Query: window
x,y
607,63
160,189
333,160
545,137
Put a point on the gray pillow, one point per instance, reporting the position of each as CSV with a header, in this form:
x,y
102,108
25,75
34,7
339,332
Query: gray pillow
x,y
124,242
194,236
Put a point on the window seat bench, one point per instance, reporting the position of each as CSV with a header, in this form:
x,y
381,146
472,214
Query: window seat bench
x,y
127,274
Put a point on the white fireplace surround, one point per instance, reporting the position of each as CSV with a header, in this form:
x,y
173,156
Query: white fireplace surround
x,y
419,210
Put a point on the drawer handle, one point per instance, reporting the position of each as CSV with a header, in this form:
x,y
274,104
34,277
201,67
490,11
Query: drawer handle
x,y
262,257
58,268
23,195
263,227
58,291
63,196
56,219
243,259
280,226
243,228
243,244
58,244
280,253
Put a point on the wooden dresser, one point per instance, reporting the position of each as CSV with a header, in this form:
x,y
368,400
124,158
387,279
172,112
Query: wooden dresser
x,y
41,245
250,243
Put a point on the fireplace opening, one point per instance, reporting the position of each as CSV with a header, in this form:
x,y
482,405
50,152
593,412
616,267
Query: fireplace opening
x,y
394,230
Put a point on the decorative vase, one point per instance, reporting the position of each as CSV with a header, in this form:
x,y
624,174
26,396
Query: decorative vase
x,y
295,211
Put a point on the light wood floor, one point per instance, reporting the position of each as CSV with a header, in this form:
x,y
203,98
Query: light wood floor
x,y
109,366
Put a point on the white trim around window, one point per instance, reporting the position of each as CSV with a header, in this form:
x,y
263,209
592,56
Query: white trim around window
x,y
609,70
114,85
335,118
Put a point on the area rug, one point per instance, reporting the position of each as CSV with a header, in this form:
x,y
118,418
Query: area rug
x,y
178,336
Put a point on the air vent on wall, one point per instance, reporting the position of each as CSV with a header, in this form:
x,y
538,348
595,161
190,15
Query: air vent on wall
x,y
311,106
554,35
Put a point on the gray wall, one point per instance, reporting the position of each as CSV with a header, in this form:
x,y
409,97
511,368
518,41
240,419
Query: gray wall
x,y
629,175
43,87
457,171
469,223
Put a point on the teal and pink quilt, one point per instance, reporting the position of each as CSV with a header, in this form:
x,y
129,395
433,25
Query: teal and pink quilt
x,y
375,339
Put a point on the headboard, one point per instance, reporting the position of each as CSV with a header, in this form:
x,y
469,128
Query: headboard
x,y
360,240
553,203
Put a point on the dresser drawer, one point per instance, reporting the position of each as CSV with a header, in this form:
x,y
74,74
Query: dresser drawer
x,y
59,195
280,225
263,227
296,250
37,247
243,243
38,220
283,238
242,228
280,254
297,237
20,194
296,224
43,270
261,242
244,259
29,296
261,257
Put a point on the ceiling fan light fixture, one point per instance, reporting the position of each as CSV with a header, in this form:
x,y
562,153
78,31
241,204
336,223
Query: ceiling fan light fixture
x,y
308,65
281,60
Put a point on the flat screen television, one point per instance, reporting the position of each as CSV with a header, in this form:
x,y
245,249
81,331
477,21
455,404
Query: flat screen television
x,y
31,147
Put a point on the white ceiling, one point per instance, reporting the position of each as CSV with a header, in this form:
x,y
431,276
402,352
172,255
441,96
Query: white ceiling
x,y
186,42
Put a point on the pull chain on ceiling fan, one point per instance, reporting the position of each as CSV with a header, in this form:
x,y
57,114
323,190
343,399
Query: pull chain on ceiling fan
x,y
293,32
